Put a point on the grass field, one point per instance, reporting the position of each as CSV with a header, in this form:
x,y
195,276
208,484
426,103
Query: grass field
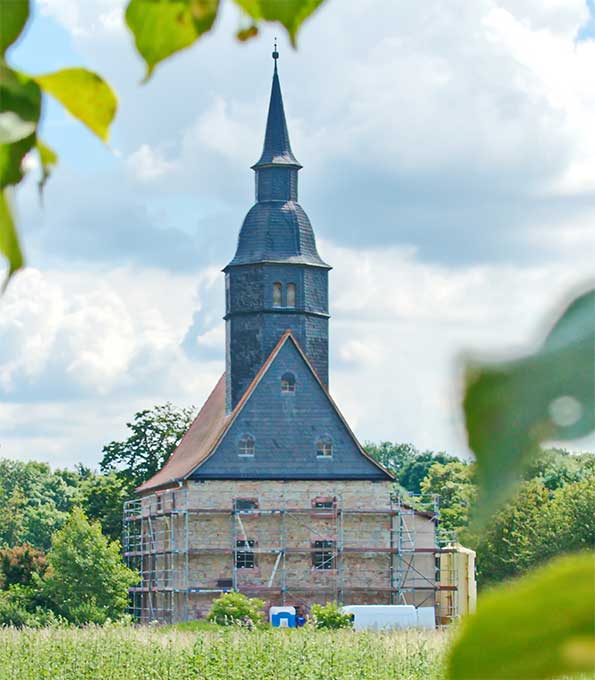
x,y
143,654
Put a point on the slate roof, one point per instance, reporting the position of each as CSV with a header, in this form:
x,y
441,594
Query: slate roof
x,y
277,149
212,424
274,231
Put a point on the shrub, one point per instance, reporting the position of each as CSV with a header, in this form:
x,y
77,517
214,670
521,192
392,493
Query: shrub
x,y
330,616
236,609
20,606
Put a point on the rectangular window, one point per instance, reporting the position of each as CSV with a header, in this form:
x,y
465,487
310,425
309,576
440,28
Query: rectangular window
x,y
245,558
323,557
246,504
324,504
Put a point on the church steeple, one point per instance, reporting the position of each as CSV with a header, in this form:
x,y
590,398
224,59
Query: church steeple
x,y
276,281
277,149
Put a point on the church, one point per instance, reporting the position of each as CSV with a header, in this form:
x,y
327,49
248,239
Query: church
x,y
269,492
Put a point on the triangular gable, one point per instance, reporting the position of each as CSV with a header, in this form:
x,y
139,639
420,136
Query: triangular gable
x,y
286,428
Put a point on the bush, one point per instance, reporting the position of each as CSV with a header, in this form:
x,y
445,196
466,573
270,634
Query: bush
x,y
330,616
20,607
236,609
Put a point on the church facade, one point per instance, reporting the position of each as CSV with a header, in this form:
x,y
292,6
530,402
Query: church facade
x,y
270,492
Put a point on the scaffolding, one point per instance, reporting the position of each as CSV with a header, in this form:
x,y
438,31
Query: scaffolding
x,y
187,555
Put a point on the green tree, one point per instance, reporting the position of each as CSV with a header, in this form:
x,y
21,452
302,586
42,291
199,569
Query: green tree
x,y
155,433
394,457
557,467
86,579
101,497
454,483
416,470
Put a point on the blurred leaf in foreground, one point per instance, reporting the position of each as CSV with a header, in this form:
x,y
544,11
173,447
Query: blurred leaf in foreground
x,y
9,241
540,626
13,17
510,408
85,95
289,13
163,27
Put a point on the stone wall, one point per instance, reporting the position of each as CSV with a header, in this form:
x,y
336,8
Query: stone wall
x,y
364,571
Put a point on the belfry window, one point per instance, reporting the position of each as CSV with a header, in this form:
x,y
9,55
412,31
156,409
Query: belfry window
x,y
288,383
246,445
324,447
291,295
277,294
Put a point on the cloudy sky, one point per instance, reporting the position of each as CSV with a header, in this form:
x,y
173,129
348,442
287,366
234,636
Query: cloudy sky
x,y
449,172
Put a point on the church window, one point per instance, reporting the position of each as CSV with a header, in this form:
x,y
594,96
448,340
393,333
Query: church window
x,y
245,557
243,504
291,294
277,288
288,383
324,447
246,445
323,555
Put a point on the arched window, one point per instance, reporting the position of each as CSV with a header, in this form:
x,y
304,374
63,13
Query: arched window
x,y
288,383
291,294
324,447
276,294
246,445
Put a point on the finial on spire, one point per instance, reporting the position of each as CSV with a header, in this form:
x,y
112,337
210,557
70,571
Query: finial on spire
x,y
275,53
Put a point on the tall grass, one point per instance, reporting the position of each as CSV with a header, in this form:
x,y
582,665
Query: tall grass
x,y
153,654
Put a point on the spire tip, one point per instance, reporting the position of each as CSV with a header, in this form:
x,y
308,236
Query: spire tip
x,y
275,53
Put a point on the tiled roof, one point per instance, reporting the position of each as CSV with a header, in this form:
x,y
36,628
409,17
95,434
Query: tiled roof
x,y
276,231
211,425
277,149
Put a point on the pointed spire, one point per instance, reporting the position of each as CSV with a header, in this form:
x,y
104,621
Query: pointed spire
x,y
277,149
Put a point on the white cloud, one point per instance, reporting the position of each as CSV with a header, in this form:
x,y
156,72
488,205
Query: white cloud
x,y
147,164
84,17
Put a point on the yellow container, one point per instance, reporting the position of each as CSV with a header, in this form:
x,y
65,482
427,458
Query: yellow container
x,y
458,587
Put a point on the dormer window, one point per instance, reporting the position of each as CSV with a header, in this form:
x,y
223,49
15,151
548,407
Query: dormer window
x,y
288,383
291,294
246,446
277,294
324,447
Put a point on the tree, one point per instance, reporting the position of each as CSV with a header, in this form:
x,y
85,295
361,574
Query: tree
x,y
17,565
557,467
454,483
394,457
155,434
86,579
101,497
416,470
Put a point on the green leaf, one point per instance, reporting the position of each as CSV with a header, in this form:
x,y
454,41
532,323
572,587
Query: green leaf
x,y
510,408
13,17
163,27
48,158
13,127
289,13
85,95
9,241
20,108
540,626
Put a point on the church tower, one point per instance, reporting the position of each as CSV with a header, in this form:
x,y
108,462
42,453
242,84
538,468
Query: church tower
x,y
276,280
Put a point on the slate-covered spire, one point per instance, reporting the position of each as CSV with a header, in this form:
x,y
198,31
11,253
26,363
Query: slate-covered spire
x,y
277,149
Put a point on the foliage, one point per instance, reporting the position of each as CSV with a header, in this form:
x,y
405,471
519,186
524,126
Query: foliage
x,y
557,467
23,606
537,627
155,433
330,616
511,408
86,581
236,609
83,93
18,564
454,483
225,654
162,28
406,463
102,498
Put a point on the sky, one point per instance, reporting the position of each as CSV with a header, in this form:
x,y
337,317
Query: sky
x,y
449,173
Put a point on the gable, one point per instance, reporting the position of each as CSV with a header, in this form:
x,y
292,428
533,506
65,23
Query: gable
x,y
286,428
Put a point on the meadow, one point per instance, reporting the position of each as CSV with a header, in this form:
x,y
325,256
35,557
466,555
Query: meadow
x,y
112,653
